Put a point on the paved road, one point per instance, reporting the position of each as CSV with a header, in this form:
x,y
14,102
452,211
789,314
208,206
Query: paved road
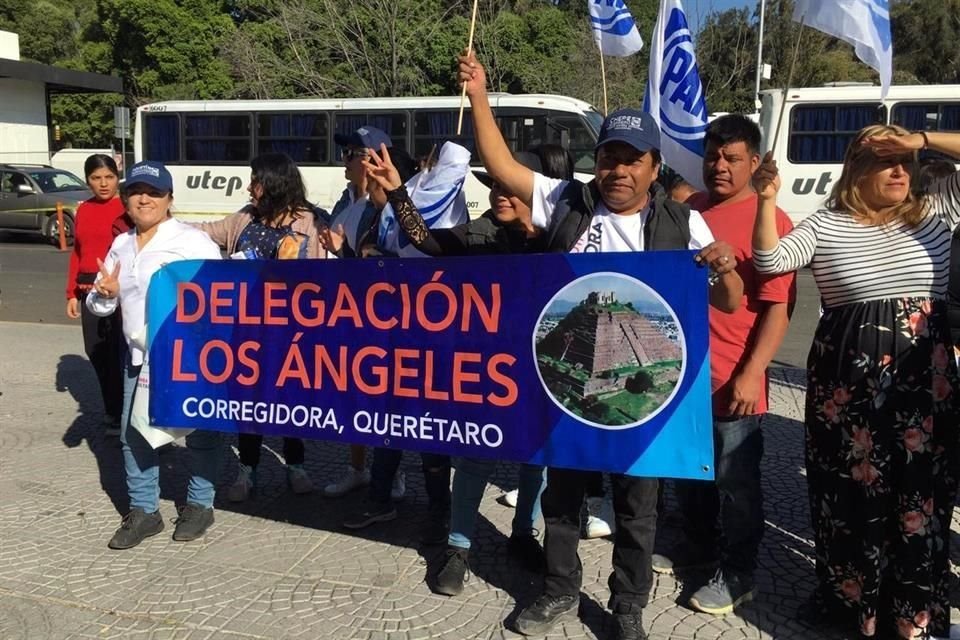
x,y
32,277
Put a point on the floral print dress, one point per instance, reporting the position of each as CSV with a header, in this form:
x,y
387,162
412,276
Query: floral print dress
x,y
881,415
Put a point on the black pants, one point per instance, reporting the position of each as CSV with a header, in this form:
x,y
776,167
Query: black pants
x,y
105,347
635,507
249,446
436,476
735,498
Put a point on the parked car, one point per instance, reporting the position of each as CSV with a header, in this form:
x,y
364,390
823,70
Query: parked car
x,y
29,195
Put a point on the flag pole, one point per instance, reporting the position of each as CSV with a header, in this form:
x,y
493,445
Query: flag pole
x,y
603,75
783,103
463,92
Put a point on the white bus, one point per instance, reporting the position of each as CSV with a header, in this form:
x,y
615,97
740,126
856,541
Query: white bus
x,y
208,144
820,122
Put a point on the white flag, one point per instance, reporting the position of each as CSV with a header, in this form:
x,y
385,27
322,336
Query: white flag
x,y
438,196
674,95
613,28
863,23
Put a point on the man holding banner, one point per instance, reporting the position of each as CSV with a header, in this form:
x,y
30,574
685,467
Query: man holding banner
x,y
622,209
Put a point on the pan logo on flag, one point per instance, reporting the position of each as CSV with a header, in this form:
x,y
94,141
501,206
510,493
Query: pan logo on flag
x,y
609,351
683,109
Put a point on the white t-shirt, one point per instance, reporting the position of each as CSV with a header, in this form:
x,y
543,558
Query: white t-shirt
x,y
608,231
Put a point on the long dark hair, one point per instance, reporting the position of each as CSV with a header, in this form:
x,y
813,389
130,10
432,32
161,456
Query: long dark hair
x,y
555,160
282,185
99,161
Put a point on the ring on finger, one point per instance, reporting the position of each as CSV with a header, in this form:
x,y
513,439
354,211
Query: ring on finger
x,y
725,259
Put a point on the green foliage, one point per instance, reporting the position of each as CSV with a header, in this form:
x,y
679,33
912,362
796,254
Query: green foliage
x,y
169,49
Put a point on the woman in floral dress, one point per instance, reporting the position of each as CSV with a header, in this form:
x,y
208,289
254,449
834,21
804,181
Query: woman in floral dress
x,y
881,409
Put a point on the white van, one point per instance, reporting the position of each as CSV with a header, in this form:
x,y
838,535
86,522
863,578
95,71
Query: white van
x,y
820,122
207,144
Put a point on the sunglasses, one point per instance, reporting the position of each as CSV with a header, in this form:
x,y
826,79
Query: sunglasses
x,y
350,154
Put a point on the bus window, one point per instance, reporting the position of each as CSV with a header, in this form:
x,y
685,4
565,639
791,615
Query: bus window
x,y
523,131
223,139
393,124
433,128
579,139
162,138
927,117
302,136
821,134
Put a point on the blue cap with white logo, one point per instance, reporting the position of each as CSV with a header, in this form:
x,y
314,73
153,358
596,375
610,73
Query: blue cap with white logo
x,y
631,126
153,174
366,137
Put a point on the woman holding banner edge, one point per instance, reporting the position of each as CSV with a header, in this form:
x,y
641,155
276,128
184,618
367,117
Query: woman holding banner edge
x,y
134,257
882,451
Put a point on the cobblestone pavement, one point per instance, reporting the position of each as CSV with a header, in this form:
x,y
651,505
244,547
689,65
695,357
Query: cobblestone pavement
x,y
280,566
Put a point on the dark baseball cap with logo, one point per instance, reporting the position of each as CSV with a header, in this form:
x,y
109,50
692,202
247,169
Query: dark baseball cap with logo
x,y
366,136
631,126
152,174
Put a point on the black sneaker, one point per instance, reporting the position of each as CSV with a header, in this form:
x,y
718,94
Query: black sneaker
x,y
684,557
724,592
452,574
370,512
135,527
192,522
436,529
629,624
546,611
526,549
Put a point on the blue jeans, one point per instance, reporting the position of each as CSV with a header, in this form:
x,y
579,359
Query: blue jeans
x,y
469,483
141,461
735,497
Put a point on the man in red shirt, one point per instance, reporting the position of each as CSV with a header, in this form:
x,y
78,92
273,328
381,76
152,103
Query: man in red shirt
x,y
742,344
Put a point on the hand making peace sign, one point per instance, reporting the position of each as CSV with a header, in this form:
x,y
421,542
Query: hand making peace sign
x,y
108,284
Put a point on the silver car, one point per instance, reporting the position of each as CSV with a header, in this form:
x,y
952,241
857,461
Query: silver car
x,y
29,195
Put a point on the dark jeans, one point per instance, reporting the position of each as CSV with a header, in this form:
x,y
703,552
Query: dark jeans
x,y
105,347
436,476
249,446
734,498
635,507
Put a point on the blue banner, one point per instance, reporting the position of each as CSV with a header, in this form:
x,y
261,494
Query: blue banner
x,y
582,361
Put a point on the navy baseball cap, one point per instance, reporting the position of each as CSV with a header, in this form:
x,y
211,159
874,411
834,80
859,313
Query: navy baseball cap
x,y
366,137
153,174
631,126
529,160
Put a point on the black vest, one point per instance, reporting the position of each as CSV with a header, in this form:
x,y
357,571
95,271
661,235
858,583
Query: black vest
x,y
667,227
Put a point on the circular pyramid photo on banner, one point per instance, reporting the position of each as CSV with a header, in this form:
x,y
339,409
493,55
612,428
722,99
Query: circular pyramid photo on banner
x,y
609,350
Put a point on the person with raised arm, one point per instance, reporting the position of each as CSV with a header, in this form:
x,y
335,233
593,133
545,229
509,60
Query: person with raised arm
x,y
882,450
621,209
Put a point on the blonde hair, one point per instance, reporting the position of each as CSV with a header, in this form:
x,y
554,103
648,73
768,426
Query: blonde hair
x,y
857,163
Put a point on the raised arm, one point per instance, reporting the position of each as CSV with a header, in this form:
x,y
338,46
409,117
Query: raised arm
x,y
494,152
771,253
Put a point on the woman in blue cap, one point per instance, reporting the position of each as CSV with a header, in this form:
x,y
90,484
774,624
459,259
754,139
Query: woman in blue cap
x,y
156,239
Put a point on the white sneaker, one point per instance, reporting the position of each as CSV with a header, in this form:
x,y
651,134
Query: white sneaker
x,y
298,479
351,480
600,519
243,485
509,499
399,488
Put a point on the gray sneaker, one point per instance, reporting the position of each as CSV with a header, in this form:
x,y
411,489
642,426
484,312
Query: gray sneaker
x,y
192,522
725,592
136,526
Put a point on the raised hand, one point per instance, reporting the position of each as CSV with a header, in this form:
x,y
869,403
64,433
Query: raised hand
x,y
888,145
766,179
380,169
108,285
472,74
332,239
